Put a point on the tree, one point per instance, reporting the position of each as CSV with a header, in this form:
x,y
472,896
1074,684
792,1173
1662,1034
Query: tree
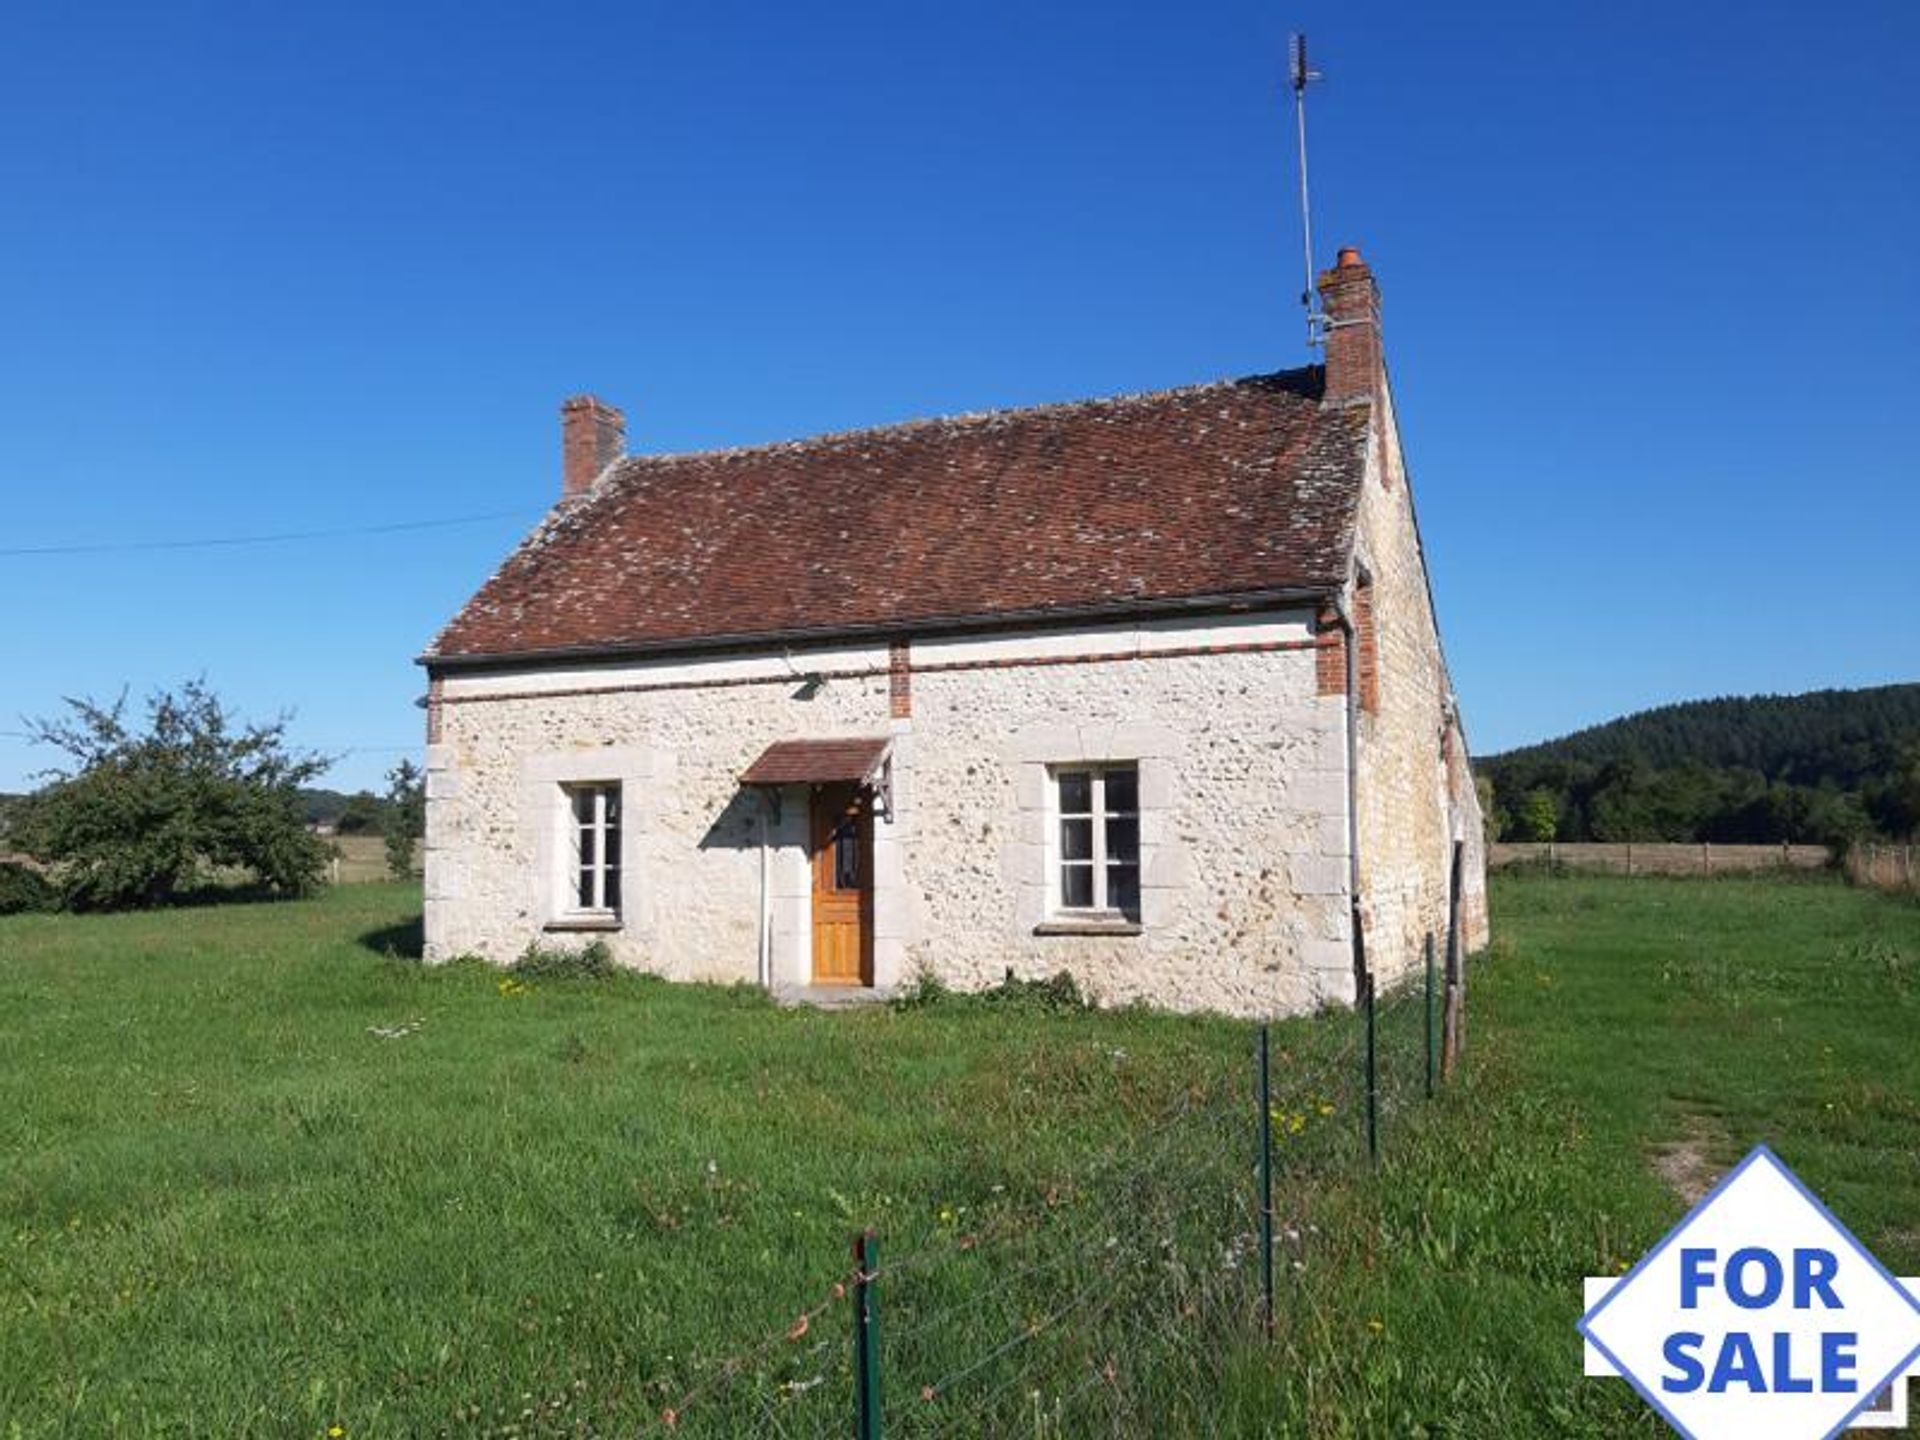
x,y
1895,802
1838,820
1539,817
361,815
406,817
1493,819
1621,804
1906,790
1752,770
144,815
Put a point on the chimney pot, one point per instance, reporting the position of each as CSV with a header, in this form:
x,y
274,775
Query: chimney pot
x,y
1352,304
593,434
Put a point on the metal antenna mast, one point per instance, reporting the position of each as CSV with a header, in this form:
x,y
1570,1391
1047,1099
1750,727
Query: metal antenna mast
x,y
1300,76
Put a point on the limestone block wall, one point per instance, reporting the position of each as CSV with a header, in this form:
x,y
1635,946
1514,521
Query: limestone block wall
x,y
1244,845
693,837
1469,822
1415,787
1243,828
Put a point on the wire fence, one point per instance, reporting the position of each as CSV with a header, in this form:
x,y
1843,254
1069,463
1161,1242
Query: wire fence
x,y
1125,1301
1650,857
1894,868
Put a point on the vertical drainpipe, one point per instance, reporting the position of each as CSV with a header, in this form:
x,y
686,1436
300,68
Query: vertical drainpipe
x,y
766,889
1352,648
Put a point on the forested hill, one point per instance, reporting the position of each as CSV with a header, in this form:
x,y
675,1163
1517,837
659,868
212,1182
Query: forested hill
x,y
1823,767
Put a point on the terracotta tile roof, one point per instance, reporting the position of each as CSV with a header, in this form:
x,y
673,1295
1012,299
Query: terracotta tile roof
x,y
1232,488
793,762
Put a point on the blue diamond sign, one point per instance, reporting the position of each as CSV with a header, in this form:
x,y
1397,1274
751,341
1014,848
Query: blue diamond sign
x,y
1758,1316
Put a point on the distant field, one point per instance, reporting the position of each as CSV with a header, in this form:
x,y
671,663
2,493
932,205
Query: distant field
x,y
363,858
264,1179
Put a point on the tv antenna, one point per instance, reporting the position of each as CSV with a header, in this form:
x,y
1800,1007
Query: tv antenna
x,y
1299,76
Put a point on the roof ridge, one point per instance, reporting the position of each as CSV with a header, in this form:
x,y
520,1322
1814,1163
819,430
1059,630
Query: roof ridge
x,y
964,418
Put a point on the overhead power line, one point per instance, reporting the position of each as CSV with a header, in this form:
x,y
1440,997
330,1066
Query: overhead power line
x,y
219,542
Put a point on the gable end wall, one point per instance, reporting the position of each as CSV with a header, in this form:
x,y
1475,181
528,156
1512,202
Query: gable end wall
x,y
1412,803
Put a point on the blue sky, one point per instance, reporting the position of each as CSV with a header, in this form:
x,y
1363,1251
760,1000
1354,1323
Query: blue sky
x,y
1652,303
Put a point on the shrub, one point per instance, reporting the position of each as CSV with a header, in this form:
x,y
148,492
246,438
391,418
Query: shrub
x,y
1539,865
595,962
24,889
406,816
1058,992
925,989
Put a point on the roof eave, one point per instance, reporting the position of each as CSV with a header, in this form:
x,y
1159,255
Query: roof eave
x,y
1225,601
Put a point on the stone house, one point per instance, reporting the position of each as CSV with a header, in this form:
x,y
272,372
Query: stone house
x,y
1149,689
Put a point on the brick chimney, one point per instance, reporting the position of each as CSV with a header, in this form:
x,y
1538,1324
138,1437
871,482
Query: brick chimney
x,y
1352,304
592,436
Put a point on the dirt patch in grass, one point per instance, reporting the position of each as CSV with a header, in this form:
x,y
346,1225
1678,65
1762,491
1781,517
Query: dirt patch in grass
x,y
1900,1241
1687,1163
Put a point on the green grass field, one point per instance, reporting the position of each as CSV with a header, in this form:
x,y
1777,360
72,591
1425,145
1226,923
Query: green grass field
x,y
262,1177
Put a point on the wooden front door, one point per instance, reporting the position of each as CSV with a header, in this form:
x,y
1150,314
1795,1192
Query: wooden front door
x,y
842,832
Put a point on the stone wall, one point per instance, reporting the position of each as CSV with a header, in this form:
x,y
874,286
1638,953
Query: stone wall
x,y
1243,827
692,836
1244,847
1415,791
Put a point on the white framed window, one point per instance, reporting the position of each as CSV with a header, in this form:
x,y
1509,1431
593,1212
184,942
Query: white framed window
x,y
1097,840
593,853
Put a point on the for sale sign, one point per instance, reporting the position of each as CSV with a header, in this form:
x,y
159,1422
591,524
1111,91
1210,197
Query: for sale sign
x,y
1759,1316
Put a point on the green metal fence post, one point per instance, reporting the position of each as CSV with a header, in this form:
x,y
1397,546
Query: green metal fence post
x,y
1431,1057
1453,1015
1266,1193
866,1337
1373,1087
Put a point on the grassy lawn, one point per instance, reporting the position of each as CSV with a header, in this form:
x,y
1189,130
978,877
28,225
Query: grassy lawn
x,y
1628,1037
260,1177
